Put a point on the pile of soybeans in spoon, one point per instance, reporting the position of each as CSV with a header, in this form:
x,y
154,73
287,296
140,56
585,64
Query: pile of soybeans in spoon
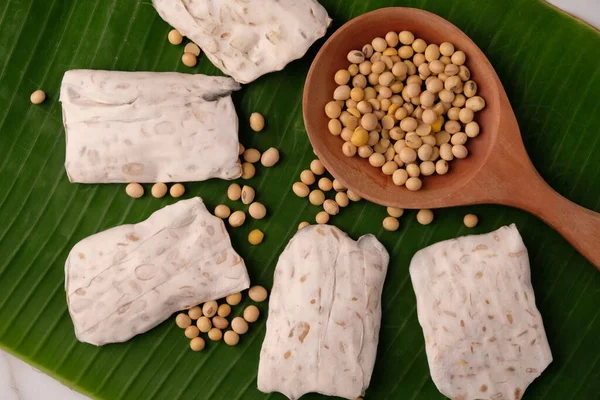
x,y
406,106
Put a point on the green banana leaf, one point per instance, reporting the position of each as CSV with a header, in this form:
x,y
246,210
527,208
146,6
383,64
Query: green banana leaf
x,y
548,63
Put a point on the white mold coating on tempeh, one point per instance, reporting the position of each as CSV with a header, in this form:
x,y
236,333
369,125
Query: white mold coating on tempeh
x,y
149,127
128,279
249,38
324,315
484,335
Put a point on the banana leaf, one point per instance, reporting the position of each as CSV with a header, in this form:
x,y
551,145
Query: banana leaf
x,y
548,63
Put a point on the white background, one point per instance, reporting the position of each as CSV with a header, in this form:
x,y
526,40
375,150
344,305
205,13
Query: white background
x,y
19,381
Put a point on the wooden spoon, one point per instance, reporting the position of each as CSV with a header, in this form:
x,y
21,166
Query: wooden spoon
x,y
497,170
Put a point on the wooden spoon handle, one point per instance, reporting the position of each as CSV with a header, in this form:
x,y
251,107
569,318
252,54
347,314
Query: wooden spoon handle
x,y
580,226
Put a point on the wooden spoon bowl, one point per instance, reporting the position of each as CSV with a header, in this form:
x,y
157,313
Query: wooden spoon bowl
x,y
497,169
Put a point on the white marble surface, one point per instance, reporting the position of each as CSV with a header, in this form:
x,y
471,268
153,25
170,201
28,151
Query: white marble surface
x,y
20,381
587,10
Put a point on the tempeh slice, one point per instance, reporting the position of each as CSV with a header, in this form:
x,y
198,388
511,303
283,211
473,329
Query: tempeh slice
x,y
128,279
324,315
249,38
484,335
149,127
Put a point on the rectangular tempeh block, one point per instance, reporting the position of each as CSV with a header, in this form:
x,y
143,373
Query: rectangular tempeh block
x,y
149,127
128,279
484,335
247,39
324,315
